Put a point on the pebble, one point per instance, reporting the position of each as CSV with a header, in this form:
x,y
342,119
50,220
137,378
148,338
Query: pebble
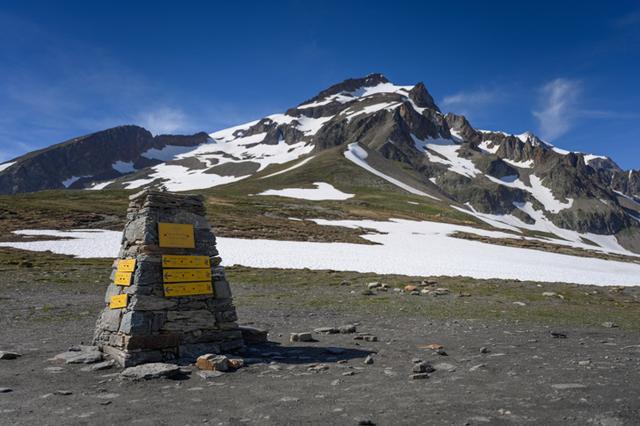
x,y
301,337
423,367
365,422
585,362
520,303
9,355
609,324
80,355
477,367
557,335
347,329
419,376
63,392
564,386
368,360
445,366
6,390
349,373
484,350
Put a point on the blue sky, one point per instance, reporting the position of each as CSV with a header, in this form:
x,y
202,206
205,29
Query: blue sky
x,y
568,71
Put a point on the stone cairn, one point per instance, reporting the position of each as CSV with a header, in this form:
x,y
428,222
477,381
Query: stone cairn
x,y
169,298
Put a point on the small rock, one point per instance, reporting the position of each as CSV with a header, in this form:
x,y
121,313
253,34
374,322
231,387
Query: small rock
x,y
345,283
236,363
367,293
326,330
609,324
104,365
347,329
423,367
365,422
213,362
409,288
368,360
484,350
289,399
9,355
349,373
477,367
549,294
301,337
464,294
425,291
419,376
440,292
415,293
585,362
6,390
154,370
445,366
442,352
432,346
316,368
519,303
557,335
63,392
373,285
209,374
565,386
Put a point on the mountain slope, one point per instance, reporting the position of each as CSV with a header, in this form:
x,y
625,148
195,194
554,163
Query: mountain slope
x,y
395,133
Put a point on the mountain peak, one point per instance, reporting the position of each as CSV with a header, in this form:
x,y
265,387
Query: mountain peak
x,y
422,97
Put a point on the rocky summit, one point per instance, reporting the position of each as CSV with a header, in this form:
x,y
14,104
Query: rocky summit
x,y
395,132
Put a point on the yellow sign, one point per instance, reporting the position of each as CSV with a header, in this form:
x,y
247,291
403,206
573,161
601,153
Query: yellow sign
x,y
126,265
119,301
185,261
188,289
185,275
176,235
122,278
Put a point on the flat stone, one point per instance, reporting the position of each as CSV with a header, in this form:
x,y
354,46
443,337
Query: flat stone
x,y
347,329
9,355
565,386
326,330
6,390
63,392
79,356
373,285
104,365
477,367
609,324
445,366
209,374
301,337
155,370
419,376
368,360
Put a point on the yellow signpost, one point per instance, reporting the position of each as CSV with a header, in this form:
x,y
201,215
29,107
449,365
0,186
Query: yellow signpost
x,y
122,278
176,235
126,265
185,275
169,261
119,301
188,289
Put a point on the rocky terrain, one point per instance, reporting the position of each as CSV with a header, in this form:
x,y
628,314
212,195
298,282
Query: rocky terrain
x,y
459,351
396,133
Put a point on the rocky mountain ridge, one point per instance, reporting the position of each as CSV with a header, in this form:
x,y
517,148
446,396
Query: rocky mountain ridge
x,y
397,132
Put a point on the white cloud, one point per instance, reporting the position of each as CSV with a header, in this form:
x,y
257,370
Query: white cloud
x,y
471,99
163,120
557,110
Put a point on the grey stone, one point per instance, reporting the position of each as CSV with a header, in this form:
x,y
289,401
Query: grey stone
x,y
110,320
484,350
136,322
151,303
568,386
213,362
209,374
609,324
9,355
104,365
155,370
423,367
326,330
477,367
445,366
419,376
6,390
368,359
63,392
79,357
221,289
347,329
301,337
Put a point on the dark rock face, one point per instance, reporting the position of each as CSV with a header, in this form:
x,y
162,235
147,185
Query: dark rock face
x,y
79,161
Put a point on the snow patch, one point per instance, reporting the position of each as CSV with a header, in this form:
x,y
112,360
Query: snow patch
x,y
357,155
449,150
73,179
322,191
408,247
288,169
6,165
123,167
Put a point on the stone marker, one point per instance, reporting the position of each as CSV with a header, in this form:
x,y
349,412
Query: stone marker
x,y
169,298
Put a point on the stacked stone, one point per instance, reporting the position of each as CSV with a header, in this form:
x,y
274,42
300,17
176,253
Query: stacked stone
x,y
153,327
